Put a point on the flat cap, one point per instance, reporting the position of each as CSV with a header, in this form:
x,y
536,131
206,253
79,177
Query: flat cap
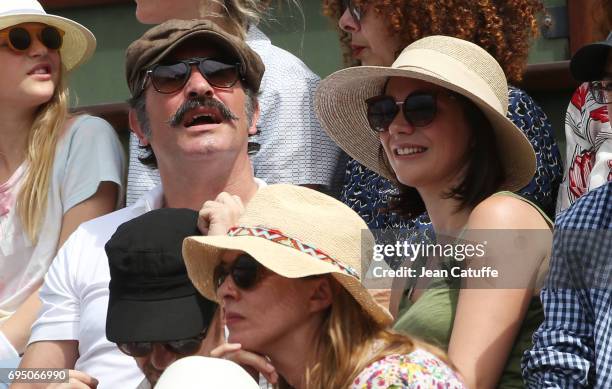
x,y
160,40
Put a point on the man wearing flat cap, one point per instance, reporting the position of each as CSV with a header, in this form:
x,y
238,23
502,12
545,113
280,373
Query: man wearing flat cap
x,y
194,103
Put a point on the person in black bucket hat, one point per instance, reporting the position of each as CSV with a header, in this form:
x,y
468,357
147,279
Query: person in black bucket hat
x,y
154,313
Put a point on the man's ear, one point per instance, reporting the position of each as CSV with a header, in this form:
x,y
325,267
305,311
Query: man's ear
x,y
253,128
136,128
322,294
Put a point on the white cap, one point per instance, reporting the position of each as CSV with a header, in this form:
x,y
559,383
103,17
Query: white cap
x,y
197,372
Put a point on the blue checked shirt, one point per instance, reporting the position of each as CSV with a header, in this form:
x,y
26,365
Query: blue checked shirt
x,y
573,347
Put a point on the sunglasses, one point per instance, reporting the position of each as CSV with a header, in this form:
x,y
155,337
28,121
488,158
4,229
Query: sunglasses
x,y
354,11
601,91
20,37
183,347
169,78
245,272
419,109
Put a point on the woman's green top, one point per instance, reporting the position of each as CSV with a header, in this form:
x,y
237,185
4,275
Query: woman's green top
x,y
432,316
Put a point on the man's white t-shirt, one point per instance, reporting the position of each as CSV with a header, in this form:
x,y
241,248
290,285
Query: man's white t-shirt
x,y
75,297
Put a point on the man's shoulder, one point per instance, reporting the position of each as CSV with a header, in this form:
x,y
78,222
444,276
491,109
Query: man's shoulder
x,y
591,211
104,226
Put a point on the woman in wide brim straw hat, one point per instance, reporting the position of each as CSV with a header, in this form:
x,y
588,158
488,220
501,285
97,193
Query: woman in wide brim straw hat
x,y
56,170
288,278
435,123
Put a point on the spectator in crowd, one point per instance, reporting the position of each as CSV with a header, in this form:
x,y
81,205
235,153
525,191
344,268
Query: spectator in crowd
x,y
154,313
373,32
292,146
588,133
194,101
288,277
435,121
573,347
56,170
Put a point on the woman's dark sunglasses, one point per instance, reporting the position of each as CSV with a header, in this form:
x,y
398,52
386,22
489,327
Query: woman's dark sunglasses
x,y
245,272
169,78
183,347
20,37
353,10
419,110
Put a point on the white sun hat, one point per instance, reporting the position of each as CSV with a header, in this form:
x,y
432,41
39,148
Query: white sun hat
x,y
198,372
79,43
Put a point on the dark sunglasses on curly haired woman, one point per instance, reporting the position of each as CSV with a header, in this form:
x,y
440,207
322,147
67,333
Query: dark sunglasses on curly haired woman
x,y
20,37
183,346
354,11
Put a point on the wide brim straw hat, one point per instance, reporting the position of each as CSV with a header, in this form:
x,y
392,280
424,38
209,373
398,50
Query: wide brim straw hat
x,y
79,43
451,63
295,232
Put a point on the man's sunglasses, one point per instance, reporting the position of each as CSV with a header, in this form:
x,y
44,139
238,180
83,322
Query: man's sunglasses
x,y
20,37
169,78
183,346
353,10
245,272
601,91
419,109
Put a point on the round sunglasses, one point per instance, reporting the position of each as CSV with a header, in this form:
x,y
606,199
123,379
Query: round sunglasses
x,y
169,78
245,271
20,38
601,91
187,346
419,109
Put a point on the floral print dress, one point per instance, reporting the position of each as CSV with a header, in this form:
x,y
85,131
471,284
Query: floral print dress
x,y
416,370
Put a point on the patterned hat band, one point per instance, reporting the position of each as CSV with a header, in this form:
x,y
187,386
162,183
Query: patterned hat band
x,y
278,237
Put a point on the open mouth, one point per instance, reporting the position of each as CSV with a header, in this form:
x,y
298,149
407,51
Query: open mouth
x,y
200,117
41,69
410,150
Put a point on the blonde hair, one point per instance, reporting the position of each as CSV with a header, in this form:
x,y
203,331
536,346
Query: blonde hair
x,y
240,14
40,154
350,340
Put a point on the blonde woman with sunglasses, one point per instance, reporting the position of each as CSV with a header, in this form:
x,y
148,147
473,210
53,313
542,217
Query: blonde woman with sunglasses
x,y
288,275
56,170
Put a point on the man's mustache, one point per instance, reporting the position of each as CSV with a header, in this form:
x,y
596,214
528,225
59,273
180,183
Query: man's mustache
x,y
197,102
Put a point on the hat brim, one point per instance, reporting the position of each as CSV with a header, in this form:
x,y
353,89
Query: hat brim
x,y
203,253
341,109
79,43
158,320
589,63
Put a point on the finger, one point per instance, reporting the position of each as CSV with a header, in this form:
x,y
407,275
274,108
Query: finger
x,y
83,377
253,360
222,350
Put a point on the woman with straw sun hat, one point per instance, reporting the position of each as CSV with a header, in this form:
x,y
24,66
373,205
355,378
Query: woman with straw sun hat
x,y
288,277
56,170
435,123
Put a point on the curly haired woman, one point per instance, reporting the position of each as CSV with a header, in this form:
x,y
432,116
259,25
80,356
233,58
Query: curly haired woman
x,y
373,32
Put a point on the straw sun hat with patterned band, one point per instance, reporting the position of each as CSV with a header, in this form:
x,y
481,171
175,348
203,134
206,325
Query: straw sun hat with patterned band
x,y
295,232
451,63
79,43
